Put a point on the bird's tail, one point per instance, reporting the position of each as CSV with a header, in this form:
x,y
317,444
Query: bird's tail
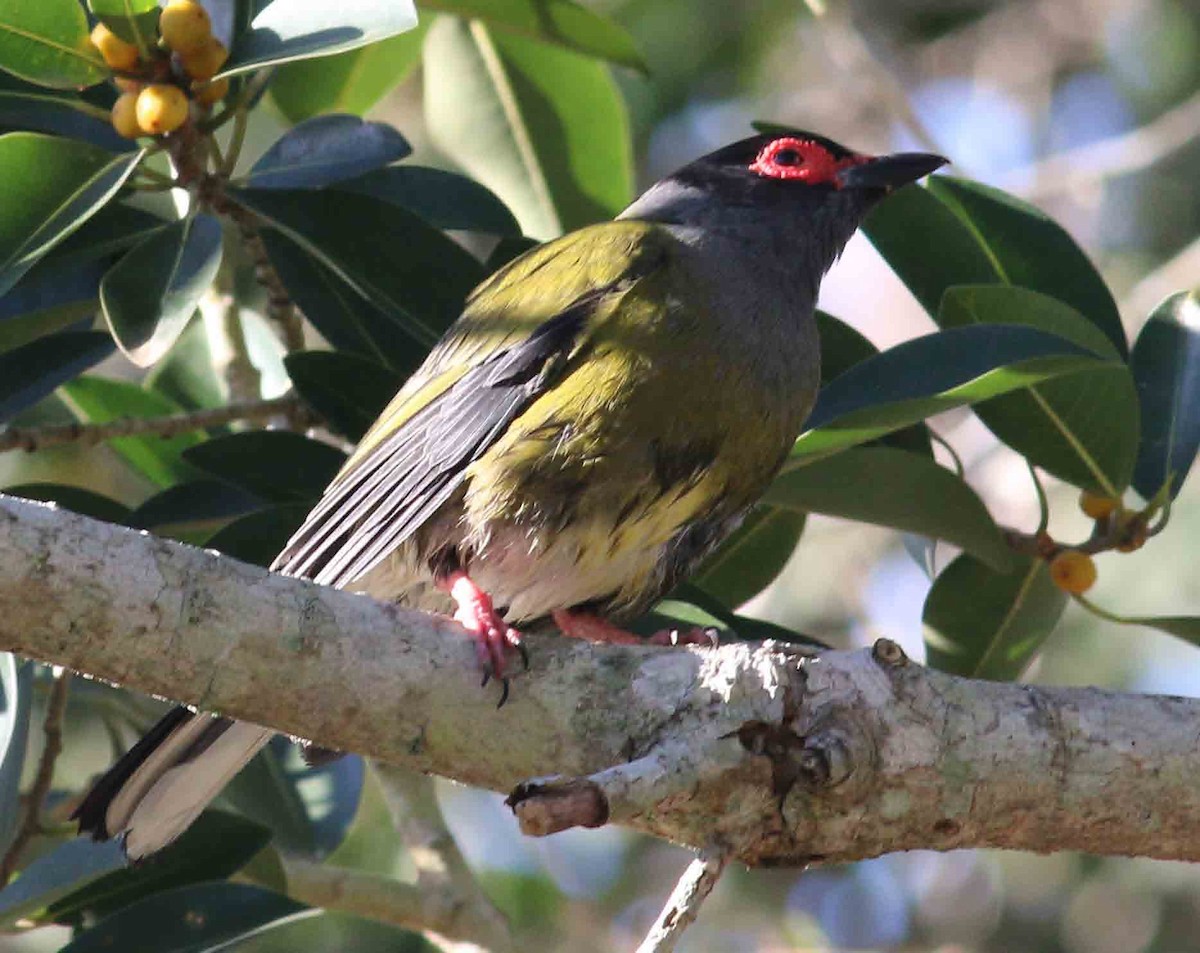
x,y
153,793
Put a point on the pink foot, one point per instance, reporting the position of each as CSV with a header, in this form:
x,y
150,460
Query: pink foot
x,y
494,638
593,628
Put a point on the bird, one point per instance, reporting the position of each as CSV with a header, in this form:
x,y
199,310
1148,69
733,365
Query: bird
x,y
602,415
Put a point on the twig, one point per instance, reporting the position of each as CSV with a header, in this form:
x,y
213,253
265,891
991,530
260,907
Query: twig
x,y
281,310
227,350
695,884
39,438
31,826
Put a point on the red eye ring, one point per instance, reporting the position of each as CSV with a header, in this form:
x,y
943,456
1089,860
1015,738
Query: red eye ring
x,y
793,159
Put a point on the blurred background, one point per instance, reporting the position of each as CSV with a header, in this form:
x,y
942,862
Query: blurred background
x,y
1091,110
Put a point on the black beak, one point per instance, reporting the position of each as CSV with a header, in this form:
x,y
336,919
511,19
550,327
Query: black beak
x,y
889,172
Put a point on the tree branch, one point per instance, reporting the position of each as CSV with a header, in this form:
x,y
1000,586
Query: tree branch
x,y
39,438
784,757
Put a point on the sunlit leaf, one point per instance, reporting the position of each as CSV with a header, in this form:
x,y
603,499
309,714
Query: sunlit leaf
x,y
324,150
46,42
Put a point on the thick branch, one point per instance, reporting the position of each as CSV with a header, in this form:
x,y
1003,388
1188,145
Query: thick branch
x,y
783,757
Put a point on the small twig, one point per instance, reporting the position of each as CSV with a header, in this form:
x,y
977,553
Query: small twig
x,y
693,888
39,438
227,350
280,310
31,826
1043,501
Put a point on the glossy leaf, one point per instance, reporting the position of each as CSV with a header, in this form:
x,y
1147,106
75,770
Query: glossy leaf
x,y
75,315
74,498
82,875
401,264
753,556
16,695
195,509
928,375
62,182
984,624
1166,369
563,22
152,292
1031,250
190,920
33,108
350,82
1184,627
287,30
112,229
46,42
278,465
346,391
99,400
1083,427
344,317
443,199
33,371
890,487
134,21
324,150
543,128
259,537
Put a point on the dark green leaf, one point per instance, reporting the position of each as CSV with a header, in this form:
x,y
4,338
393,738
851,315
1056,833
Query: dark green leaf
x,y
185,374
508,249
344,317
46,42
76,315
443,199
195,509
74,498
287,30
327,149
347,391
152,292
984,624
401,264
752,557
562,22
1182,626
99,400
81,876
1166,368
543,128
890,487
62,183
190,920
16,694
1031,250
31,372
278,465
259,537
350,82
112,229
134,21
930,374
36,109
1083,427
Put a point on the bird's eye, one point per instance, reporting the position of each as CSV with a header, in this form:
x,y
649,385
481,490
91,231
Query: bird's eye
x,y
788,157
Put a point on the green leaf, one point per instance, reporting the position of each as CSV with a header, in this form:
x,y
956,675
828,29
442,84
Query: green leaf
x,y
62,183
99,400
1029,249
31,372
134,21
275,464
890,487
350,82
191,920
347,391
1182,626
344,317
928,375
984,624
15,332
195,509
152,292
1166,369
16,696
27,107
561,22
443,199
259,537
749,560
287,30
543,128
76,499
1083,427
185,374
324,150
81,876
393,258
46,42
